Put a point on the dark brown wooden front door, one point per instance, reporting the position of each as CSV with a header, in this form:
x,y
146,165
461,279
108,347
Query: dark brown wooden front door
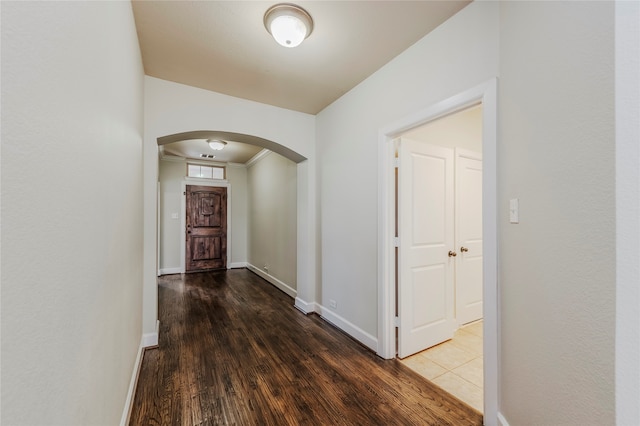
x,y
206,228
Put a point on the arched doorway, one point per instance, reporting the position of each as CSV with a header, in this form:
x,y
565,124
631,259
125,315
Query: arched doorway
x,y
305,240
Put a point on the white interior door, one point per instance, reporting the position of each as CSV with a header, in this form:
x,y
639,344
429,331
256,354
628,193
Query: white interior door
x,y
468,236
426,233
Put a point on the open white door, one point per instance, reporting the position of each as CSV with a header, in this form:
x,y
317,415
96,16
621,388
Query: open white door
x,y
426,249
468,236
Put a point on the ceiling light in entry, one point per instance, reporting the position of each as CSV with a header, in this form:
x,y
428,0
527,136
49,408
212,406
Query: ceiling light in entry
x,y
216,144
288,24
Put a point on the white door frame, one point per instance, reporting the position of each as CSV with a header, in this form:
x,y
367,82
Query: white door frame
x,y
485,93
183,217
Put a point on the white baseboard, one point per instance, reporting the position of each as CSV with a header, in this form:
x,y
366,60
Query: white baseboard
x,y
501,420
151,339
273,280
357,333
237,265
128,403
169,271
305,307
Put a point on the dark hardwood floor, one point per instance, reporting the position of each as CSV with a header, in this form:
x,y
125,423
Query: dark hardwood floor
x,y
233,350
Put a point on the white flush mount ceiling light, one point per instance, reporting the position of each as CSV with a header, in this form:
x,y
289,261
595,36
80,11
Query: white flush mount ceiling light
x,y
216,144
288,24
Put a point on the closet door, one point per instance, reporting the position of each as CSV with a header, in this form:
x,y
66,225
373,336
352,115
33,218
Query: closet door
x,y
468,236
426,249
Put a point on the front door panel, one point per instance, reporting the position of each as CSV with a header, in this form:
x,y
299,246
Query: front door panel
x,y
206,234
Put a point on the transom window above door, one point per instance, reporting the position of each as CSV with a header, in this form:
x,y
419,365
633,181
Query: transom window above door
x,y
205,172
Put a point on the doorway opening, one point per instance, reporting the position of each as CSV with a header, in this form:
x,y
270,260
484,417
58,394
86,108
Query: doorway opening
x,y
389,322
203,242
439,267
299,241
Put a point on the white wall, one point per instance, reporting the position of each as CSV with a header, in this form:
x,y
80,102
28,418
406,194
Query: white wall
x,y
71,76
458,55
237,177
460,130
272,186
171,175
556,152
72,98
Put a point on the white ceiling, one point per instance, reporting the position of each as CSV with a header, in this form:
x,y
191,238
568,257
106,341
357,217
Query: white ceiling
x,y
234,152
223,46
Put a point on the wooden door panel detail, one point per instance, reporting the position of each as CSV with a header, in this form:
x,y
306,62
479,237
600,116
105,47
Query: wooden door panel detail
x,y
205,248
208,211
206,234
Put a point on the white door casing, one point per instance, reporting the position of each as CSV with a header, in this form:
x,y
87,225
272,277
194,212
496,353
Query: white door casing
x,y
487,94
426,233
468,236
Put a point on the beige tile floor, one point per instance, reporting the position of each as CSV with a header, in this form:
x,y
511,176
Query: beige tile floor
x,y
455,365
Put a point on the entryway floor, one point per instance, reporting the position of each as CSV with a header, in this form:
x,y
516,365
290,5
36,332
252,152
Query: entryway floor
x,y
234,350
455,365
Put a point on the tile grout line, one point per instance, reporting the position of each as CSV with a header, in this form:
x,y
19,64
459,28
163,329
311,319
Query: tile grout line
x,y
458,337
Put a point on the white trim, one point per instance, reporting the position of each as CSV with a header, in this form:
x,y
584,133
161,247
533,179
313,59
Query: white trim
x,y
133,383
150,340
273,280
259,156
501,420
237,265
352,330
627,203
172,158
305,307
169,271
158,210
183,216
486,94
205,181
386,247
467,153
236,165
306,237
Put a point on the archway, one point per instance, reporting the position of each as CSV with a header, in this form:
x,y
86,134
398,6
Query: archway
x,y
305,239
236,137
249,234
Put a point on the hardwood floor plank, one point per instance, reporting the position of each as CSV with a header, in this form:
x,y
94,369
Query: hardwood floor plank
x,y
234,351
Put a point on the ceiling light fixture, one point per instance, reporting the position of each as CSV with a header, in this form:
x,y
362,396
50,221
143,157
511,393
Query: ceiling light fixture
x,y
288,24
216,144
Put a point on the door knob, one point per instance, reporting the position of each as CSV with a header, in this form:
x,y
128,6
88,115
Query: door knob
x,y
464,249
452,253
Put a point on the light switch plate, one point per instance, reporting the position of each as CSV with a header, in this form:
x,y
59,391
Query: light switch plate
x,y
514,210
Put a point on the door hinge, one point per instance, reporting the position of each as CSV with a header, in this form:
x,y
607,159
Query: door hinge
x,y
396,322
396,162
396,241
